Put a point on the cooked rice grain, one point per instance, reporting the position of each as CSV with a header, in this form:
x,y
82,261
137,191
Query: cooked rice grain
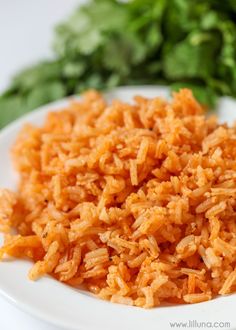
x,y
136,202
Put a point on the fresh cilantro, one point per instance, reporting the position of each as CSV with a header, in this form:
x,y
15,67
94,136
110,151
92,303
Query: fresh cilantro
x,y
106,43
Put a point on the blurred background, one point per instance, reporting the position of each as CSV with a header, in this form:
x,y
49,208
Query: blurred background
x,y
54,48
26,31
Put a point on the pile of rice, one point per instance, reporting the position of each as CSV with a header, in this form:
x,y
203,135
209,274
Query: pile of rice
x,y
135,202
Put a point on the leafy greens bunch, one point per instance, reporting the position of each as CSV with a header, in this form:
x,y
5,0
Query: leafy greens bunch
x,y
106,43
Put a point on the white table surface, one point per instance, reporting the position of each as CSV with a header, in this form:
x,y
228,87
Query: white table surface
x,y
25,37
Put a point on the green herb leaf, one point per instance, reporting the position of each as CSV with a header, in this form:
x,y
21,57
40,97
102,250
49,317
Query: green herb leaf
x,y
106,43
192,58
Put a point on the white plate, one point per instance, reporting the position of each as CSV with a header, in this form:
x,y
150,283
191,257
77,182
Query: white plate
x,y
72,309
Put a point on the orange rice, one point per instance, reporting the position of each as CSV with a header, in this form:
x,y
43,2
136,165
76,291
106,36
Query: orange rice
x,y
136,202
